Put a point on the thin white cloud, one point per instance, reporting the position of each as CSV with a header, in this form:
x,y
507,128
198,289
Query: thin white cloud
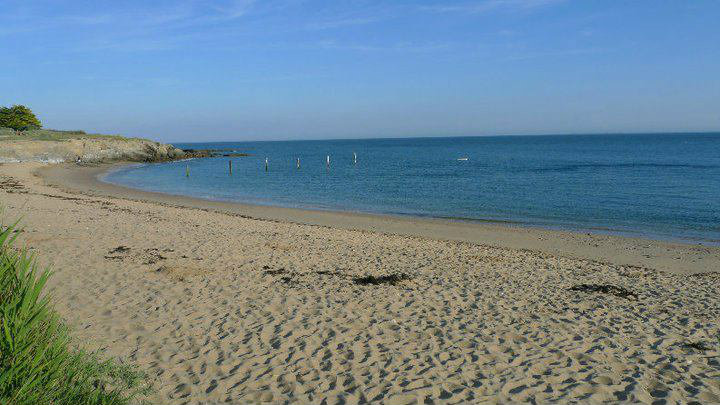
x,y
231,10
151,27
397,47
341,22
128,45
557,53
180,14
490,5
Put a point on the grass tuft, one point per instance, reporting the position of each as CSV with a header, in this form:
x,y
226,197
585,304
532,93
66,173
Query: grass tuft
x,y
38,364
7,134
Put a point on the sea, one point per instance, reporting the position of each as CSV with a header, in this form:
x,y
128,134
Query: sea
x,y
659,186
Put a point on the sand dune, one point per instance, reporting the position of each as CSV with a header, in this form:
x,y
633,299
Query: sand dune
x,y
222,308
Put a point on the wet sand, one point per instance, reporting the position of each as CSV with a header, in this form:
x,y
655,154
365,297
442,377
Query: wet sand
x,y
243,304
667,256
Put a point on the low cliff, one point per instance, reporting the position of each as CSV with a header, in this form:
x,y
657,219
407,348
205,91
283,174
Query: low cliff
x,y
87,150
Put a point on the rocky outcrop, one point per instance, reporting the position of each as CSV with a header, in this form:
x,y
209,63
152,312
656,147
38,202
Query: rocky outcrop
x,y
203,153
91,150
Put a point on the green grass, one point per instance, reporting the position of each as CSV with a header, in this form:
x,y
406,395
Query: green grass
x,y
7,134
38,362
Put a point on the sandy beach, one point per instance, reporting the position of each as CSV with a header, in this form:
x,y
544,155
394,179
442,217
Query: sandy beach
x,y
230,303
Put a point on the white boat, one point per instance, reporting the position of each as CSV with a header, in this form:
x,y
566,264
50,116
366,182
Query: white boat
x,y
462,158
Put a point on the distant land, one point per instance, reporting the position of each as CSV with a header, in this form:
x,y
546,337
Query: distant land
x,y
43,145
56,146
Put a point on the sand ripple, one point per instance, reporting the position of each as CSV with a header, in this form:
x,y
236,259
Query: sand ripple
x,y
224,309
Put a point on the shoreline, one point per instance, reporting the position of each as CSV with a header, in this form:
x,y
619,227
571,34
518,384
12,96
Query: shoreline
x,y
671,256
539,225
219,307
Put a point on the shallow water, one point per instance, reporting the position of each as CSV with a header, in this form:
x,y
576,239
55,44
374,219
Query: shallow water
x,y
663,186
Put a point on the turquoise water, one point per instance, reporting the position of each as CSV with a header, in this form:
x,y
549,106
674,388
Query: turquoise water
x,y
664,186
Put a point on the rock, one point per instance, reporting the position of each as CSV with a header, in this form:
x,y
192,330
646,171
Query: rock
x,y
202,153
90,150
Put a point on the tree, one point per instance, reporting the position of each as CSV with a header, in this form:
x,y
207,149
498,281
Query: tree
x,y
18,118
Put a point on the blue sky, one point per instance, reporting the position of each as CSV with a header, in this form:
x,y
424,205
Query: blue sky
x,y
295,69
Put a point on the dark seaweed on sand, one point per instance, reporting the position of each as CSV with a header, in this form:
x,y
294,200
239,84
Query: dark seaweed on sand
x,y
701,346
274,272
605,289
391,279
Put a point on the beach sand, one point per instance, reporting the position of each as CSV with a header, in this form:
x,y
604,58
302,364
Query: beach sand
x,y
240,304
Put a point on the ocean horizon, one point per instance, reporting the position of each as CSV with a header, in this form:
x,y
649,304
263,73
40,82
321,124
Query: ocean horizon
x,y
658,186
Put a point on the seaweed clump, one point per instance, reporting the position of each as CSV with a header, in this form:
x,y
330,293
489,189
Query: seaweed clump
x,y
605,289
274,272
700,346
391,279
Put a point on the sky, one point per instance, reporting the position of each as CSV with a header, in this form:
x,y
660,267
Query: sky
x,y
224,70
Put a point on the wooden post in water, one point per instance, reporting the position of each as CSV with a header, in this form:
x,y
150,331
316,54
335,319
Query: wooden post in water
x,y
187,170
230,166
298,163
266,164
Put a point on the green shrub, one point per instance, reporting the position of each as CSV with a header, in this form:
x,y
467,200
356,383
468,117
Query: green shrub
x,y
19,118
38,364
